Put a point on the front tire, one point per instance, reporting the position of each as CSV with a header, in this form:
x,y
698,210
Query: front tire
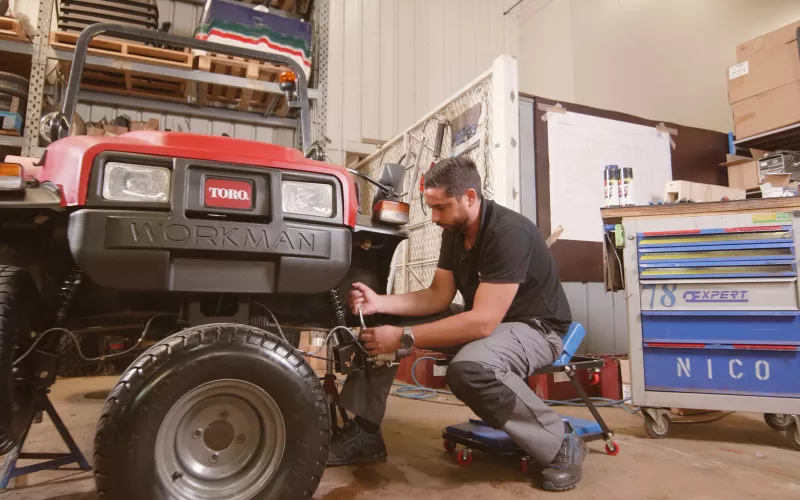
x,y
218,411
19,301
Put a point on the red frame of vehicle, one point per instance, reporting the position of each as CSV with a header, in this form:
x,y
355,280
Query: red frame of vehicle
x,y
68,163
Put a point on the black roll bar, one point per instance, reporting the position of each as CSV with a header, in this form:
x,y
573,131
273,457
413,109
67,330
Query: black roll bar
x,y
157,37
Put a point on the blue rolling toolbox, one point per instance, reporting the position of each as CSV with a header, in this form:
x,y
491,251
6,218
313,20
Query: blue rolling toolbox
x,y
476,435
713,311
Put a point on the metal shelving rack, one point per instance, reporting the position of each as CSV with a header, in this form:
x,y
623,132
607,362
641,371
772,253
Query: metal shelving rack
x,y
41,52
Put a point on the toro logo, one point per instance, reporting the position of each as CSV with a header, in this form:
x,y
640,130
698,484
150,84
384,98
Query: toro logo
x,y
223,193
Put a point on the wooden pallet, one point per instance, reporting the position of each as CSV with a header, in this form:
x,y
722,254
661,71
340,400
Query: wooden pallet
x,y
11,29
243,99
124,50
126,82
293,6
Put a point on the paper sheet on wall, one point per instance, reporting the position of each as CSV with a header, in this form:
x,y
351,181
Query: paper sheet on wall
x,y
580,146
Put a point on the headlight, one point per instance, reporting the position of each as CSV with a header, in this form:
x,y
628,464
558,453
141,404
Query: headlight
x,y
129,182
307,198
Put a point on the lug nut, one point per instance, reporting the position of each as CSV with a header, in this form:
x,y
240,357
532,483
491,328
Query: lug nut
x,y
214,458
240,438
223,414
197,433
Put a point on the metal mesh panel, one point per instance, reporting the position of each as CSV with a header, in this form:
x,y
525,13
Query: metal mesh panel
x,y
416,261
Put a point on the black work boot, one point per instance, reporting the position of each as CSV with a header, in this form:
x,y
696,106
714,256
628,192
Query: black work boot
x,y
565,471
353,445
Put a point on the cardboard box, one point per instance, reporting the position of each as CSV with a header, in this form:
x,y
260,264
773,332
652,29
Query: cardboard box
x,y
778,186
771,110
781,36
764,71
626,393
625,371
310,342
698,192
151,124
743,171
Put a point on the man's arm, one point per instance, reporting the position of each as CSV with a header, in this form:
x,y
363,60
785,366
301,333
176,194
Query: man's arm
x,y
492,301
432,300
506,258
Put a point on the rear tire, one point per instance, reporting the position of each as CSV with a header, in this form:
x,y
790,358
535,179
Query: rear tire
x,y
19,301
70,363
13,85
159,421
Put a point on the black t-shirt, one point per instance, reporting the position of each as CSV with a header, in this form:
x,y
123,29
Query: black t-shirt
x,y
509,249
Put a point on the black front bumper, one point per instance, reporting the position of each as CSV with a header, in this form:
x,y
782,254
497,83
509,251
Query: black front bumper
x,y
139,250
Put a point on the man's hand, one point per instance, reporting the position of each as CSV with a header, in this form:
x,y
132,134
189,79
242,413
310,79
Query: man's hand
x,y
366,297
382,339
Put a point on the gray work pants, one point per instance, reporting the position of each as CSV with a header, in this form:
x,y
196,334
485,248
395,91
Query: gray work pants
x,y
489,375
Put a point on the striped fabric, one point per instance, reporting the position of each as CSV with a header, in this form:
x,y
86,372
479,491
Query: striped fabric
x,y
240,26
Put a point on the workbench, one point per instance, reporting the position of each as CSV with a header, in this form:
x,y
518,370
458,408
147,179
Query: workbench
x,y
713,307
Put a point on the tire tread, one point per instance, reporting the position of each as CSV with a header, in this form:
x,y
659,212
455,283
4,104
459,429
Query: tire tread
x,y
185,342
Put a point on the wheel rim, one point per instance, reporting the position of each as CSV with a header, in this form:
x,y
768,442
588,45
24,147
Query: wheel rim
x,y
781,419
223,439
659,426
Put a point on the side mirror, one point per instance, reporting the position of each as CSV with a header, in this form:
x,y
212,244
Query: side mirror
x,y
393,175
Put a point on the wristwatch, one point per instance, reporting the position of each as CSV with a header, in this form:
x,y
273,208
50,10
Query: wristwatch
x,y
407,339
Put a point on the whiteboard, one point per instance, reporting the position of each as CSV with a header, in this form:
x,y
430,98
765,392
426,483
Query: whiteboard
x,y
580,146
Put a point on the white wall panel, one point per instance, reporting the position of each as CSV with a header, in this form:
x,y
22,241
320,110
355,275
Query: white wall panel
x,y
661,60
392,61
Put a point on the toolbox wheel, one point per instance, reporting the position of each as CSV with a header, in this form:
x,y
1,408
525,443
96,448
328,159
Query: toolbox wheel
x,y
523,464
465,457
793,436
449,445
655,429
612,448
778,421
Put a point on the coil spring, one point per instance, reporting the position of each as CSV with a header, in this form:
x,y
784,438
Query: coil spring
x,y
69,289
337,306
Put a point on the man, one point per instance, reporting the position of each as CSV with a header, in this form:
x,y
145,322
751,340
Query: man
x,y
515,314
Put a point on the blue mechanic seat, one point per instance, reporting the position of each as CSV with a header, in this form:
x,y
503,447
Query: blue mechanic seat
x,y
475,434
572,341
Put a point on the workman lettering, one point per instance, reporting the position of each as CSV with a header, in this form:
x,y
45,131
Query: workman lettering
x,y
716,296
736,369
229,194
248,239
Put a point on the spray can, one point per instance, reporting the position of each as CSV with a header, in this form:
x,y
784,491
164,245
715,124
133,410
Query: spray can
x,y
611,185
626,186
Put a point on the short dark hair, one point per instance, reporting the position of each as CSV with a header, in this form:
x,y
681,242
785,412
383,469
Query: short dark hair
x,y
456,175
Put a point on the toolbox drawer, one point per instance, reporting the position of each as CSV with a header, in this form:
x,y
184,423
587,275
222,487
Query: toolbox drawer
x,y
746,327
743,252
776,294
700,368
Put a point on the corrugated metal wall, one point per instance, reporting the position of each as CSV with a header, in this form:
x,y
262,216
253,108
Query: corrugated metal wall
x,y
392,61
604,316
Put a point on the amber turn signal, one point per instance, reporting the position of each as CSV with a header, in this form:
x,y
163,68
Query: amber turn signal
x,y
10,176
391,212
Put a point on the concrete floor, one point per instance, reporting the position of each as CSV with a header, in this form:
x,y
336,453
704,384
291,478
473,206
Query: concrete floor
x,y
736,458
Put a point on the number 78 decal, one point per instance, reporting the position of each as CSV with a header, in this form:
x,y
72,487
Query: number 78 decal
x,y
666,296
